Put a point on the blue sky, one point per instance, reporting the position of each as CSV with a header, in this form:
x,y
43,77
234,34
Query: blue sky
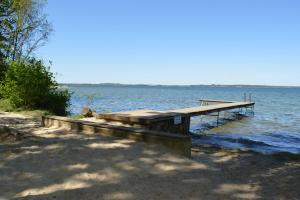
x,y
175,42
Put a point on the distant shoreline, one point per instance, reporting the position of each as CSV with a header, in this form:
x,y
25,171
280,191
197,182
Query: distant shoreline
x,y
159,85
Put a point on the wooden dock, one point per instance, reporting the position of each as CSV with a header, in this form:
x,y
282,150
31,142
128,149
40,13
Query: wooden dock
x,y
204,110
169,128
174,121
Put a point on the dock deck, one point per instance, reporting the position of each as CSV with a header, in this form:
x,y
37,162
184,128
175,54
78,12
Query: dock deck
x,y
203,110
177,120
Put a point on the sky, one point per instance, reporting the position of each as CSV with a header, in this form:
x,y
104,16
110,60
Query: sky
x,y
175,42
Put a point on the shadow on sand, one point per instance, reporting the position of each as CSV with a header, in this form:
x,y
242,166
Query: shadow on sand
x,y
53,163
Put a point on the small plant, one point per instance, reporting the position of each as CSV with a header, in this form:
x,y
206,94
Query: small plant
x,y
90,100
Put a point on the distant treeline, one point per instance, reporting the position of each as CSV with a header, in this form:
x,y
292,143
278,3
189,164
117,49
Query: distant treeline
x,y
158,85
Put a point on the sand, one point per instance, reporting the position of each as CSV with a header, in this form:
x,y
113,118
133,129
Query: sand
x,y
53,163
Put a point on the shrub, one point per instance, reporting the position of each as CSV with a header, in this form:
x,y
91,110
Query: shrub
x,y
5,105
58,101
31,85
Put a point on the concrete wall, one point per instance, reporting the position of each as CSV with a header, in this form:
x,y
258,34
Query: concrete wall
x,y
180,144
168,125
162,125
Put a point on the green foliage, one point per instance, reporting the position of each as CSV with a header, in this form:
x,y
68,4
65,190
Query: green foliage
x,y
26,83
30,85
35,113
6,106
23,27
3,68
58,101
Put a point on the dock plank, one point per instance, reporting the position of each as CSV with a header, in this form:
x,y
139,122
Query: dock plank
x,y
215,101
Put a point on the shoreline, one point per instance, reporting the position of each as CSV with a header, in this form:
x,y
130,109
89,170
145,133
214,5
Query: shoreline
x,y
55,163
282,156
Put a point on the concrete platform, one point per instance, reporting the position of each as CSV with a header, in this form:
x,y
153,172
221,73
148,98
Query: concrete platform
x,y
138,116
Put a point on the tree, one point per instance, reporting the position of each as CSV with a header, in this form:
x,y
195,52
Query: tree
x,y
25,82
24,28
5,11
3,66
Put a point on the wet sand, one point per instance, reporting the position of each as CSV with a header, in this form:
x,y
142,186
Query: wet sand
x,y
54,163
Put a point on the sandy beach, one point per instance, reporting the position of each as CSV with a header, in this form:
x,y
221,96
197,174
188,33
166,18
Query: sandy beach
x,y
54,163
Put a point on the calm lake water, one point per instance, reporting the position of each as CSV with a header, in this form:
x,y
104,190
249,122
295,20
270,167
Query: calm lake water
x,y
275,127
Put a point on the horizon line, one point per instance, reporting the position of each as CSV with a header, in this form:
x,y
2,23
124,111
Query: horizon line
x,y
146,84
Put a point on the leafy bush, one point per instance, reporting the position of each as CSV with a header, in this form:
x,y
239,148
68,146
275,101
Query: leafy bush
x,y
58,101
6,106
31,85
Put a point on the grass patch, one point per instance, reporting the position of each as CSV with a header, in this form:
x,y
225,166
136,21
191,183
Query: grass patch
x,y
35,113
76,116
5,106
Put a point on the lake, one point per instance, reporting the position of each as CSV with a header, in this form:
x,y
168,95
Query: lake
x,y
275,127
